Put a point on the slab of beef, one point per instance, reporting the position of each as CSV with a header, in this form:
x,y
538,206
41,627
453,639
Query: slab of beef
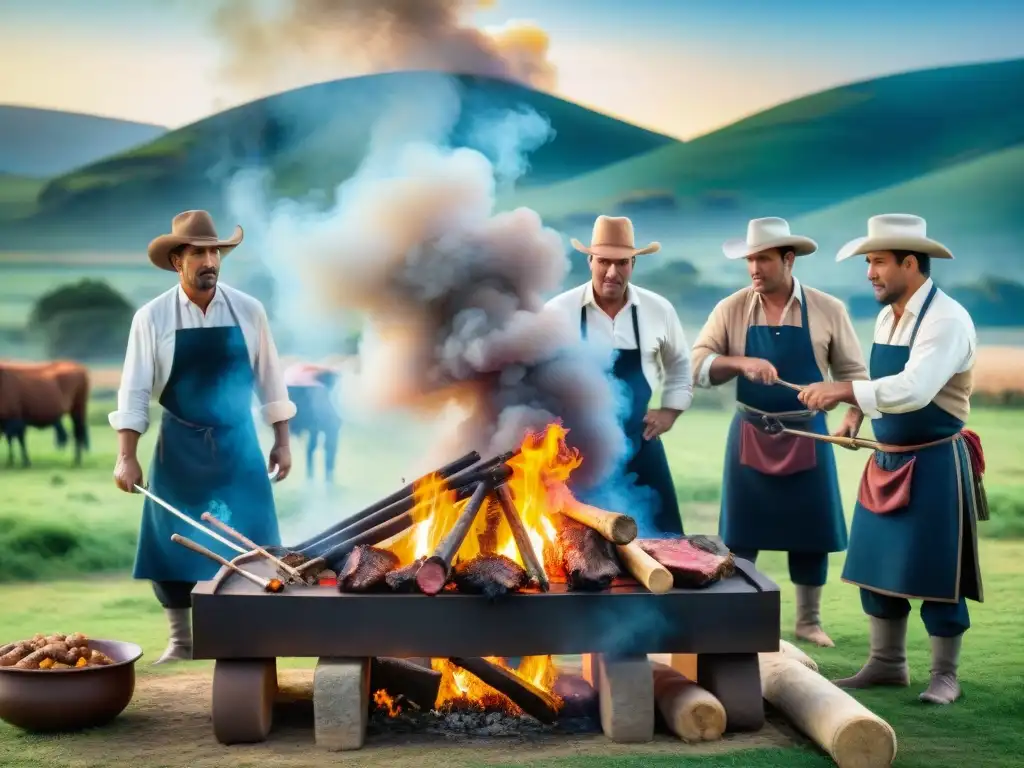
x,y
366,568
404,579
490,575
690,565
588,558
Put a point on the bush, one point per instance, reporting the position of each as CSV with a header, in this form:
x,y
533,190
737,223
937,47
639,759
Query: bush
x,y
1006,510
86,321
44,550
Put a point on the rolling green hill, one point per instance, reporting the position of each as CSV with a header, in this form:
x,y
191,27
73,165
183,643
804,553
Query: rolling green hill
x,y
799,157
313,138
18,195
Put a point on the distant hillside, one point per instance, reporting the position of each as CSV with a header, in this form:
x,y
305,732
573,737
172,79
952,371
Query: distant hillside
x,y
975,208
313,138
798,157
42,143
17,195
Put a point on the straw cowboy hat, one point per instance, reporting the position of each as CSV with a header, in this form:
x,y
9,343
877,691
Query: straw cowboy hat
x,y
895,232
766,233
190,228
613,238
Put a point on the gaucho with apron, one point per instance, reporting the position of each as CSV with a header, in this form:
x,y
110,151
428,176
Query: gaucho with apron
x,y
781,492
648,462
208,456
914,531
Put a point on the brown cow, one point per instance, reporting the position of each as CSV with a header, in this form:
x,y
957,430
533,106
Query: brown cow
x,y
39,395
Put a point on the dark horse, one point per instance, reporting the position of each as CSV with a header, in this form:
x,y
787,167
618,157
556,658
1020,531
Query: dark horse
x,y
39,395
315,416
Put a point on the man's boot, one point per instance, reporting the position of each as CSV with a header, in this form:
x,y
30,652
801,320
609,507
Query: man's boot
x,y
808,616
887,662
944,688
179,647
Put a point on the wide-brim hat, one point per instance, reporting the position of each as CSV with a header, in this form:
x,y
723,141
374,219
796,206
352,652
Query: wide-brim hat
x,y
191,228
895,232
765,234
612,237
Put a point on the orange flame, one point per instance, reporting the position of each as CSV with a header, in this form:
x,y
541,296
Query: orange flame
x,y
460,688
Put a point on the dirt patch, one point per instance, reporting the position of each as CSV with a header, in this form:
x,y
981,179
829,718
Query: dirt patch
x,y
168,723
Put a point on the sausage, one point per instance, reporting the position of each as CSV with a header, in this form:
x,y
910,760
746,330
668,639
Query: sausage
x,y
4,649
100,659
46,652
12,657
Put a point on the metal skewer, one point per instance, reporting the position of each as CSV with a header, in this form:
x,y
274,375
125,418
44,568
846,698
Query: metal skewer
x,y
794,387
269,585
185,518
207,517
774,426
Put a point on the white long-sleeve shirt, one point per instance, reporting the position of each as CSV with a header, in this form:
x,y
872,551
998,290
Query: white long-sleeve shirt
x,y
665,355
150,353
946,345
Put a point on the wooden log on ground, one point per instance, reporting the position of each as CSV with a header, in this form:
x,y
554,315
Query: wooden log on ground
x,y
433,574
400,677
645,568
534,568
615,527
848,731
448,470
532,700
690,712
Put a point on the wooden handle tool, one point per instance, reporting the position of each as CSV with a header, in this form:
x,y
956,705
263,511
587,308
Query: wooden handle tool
x,y
270,585
209,518
614,526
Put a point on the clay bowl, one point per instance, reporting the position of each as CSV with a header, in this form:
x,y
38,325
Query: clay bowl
x,y
70,699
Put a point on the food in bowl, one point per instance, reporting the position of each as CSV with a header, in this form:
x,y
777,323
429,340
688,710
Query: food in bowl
x,y
57,651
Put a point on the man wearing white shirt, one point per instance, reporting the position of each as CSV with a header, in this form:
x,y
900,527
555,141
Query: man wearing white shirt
x,y
651,351
202,348
914,531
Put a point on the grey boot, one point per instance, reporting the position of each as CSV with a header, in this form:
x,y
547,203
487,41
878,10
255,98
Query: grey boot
x,y
179,647
887,663
808,616
944,688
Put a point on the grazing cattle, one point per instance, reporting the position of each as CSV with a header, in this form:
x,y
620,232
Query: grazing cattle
x,y
311,387
39,395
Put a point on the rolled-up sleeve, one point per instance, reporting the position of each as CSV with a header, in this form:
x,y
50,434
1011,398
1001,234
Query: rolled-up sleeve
x,y
136,377
677,392
273,392
941,349
712,342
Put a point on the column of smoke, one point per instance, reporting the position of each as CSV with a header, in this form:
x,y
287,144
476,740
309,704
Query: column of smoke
x,y
451,292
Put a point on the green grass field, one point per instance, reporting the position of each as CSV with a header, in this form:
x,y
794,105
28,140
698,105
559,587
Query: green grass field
x,y
58,524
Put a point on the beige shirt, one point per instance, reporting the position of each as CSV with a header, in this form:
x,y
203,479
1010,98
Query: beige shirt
x,y
835,343
941,364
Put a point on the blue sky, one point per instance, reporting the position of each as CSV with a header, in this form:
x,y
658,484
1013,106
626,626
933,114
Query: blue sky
x,y
682,67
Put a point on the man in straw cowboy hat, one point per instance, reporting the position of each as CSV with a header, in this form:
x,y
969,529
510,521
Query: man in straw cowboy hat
x,y
780,492
203,347
913,534
651,351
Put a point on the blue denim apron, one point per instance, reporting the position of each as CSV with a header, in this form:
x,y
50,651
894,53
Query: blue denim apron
x,y
208,456
798,512
648,461
926,550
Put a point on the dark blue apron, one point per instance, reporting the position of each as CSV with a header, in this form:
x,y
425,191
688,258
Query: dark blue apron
x,y
648,462
797,512
208,456
926,550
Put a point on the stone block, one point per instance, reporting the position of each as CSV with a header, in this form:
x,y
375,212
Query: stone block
x,y
341,703
626,694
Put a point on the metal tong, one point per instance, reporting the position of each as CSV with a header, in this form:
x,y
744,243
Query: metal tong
x,y
774,426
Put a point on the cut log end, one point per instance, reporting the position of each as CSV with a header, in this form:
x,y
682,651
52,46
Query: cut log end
x,y
866,743
623,529
431,577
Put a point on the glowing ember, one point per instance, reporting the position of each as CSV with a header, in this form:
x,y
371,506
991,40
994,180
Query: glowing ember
x,y
384,702
459,688
539,472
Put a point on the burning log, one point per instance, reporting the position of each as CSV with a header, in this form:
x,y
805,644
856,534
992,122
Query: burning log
x,y
490,575
400,677
691,566
616,527
433,574
475,474
534,569
645,568
487,539
579,699
588,558
393,511
267,585
524,694
375,535
404,579
366,568
448,470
